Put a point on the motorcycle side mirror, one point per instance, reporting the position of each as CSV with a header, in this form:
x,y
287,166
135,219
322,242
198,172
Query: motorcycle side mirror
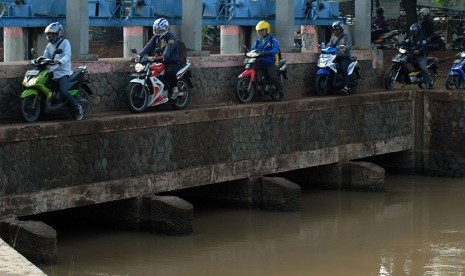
x,y
33,51
133,51
58,51
245,48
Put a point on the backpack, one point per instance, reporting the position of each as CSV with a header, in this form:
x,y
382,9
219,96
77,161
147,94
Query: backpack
x,y
182,52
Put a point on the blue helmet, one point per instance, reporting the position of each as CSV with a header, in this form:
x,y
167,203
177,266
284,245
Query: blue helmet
x,y
54,28
160,27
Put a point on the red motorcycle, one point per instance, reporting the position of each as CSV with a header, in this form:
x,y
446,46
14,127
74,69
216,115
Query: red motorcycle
x,y
150,88
252,80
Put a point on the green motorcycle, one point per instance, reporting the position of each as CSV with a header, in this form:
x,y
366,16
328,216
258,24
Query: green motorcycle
x,y
41,95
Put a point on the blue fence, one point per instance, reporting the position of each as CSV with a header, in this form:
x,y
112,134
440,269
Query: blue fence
x,y
111,13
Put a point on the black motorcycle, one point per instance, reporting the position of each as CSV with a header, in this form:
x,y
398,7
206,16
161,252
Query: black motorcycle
x,y
436,41
405,70
459,43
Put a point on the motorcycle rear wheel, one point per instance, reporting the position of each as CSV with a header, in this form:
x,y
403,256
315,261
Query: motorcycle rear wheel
x,y
321,85
245,90
137,97
452,82
182,101
278,95
30,108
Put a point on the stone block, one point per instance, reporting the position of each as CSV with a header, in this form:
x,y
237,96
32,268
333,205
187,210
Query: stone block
x,y
171,215
280,194
367,176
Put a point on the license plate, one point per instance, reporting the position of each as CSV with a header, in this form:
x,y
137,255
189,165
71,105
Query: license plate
x,y
32,72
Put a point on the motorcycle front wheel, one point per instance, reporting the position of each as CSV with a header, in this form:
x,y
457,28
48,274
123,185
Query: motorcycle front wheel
x,y
137,97
321,85
245,90
182,101
452,82
30,108
390,80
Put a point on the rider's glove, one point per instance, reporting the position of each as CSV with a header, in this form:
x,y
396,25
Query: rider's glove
x,y
159,58
416,53
135,59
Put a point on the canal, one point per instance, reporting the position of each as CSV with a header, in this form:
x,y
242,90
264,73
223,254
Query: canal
x,y
416,227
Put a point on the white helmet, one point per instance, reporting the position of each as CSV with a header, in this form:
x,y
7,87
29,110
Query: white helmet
x,y
424,11
160,27
54,28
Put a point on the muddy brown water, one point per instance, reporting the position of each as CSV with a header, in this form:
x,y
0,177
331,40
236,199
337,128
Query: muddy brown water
x,y
416,227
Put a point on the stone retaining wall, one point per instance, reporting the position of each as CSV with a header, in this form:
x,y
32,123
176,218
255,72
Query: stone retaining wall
x,y
214,78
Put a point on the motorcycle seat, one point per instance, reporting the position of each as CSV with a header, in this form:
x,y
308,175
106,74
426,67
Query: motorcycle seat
x,y
76,75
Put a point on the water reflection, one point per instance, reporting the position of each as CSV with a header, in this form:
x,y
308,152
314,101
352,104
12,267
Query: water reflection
x,y
415,228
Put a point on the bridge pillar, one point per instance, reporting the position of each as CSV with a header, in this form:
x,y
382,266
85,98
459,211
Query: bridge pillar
x,y
285,15
77,28
133,37
170,215
362,24
230,39
15,43
33,239
191,29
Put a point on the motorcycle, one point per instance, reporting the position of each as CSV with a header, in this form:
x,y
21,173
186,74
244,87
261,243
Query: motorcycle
x,y
404,70
148,86
459,43
436,41
456,76
41,95
387,39
252,80
329,76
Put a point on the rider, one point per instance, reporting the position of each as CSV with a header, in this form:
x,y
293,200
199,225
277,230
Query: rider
x,y
62,67
379,24
165,44
342,40
427,23
418,46
268,47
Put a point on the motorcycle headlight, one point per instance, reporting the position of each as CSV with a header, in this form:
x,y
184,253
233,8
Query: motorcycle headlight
x,y
139,67
402,51
31,81
462,54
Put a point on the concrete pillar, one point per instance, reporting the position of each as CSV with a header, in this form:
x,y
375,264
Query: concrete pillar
x,y
77,27
280,194
362,24
33,239
14,44
191,29
133,37
231,42
285,15
170,215
309,38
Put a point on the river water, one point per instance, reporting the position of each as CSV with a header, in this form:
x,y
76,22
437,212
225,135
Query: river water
x,y
416,227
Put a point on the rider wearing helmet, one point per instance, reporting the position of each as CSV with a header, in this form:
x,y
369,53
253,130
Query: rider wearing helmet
x,y
379,25
165,45
342,40
417,44
268,47
62,67
427,23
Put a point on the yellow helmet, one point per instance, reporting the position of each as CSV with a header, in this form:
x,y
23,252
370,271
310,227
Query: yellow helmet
x,y
263,25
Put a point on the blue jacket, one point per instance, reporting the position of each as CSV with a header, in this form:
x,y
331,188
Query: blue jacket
x,y
63,69
169,44
268,48
419,43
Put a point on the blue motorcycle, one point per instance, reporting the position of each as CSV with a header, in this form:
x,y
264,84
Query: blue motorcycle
x,y
456,77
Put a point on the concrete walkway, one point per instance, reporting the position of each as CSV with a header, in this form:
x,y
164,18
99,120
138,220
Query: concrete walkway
x,y
12,263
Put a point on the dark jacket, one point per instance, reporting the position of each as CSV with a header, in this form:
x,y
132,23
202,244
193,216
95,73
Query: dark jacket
x,y
169,45
427,25
380,23
416,43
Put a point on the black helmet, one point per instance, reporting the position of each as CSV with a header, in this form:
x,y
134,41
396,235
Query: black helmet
x,y
415,28
379,10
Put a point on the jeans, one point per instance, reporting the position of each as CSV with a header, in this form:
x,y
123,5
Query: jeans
x,y
422,61
63,84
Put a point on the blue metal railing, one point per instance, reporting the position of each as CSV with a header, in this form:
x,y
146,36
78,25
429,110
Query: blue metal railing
x,y
115,13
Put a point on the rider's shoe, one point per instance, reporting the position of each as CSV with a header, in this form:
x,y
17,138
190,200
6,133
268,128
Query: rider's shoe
x,y
345,90
174,93
79,113
430,86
